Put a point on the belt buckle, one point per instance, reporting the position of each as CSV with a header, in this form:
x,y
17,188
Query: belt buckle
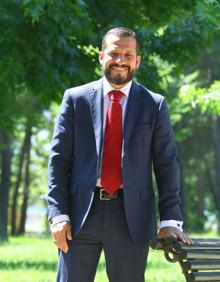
x,y
104,196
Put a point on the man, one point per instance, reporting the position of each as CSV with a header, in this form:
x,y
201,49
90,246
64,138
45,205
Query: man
x,y
107,136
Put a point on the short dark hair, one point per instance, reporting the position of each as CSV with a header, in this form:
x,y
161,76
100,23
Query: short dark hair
x,y
120,32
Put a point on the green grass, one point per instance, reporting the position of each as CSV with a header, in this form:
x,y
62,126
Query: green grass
x,y
30,259
27,259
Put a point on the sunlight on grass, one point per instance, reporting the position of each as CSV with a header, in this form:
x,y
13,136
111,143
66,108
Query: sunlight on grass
x,y
27,259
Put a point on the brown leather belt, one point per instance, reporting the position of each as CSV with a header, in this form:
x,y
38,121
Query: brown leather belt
x,y
103,195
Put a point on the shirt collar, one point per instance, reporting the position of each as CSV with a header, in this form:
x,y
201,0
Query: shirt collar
x,y
107,87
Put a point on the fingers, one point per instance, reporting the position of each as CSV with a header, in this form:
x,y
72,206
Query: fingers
x,y
68,232
187,239
184,237
173,232
60,233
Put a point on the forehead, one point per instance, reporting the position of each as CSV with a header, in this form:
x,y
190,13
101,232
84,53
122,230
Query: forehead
x,y
115,42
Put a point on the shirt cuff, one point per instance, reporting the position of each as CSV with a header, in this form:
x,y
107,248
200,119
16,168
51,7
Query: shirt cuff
x,y
59,218
173,223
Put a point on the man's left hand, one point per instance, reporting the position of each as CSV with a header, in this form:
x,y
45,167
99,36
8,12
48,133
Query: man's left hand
x,y
173,232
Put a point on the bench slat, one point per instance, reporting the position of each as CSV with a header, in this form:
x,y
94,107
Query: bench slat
x,y
198,244
199,254
197,264
202,276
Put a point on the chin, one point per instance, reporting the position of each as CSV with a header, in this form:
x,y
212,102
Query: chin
x,y
119,79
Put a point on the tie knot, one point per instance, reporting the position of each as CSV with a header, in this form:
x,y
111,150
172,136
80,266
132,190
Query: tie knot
x,y
115,95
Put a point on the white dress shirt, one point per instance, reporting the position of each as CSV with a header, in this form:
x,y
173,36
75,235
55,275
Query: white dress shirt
x,y
107,87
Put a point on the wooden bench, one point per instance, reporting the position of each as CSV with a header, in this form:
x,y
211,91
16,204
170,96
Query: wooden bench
x,y
199,261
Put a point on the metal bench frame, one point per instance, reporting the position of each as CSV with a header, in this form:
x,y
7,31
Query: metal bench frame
x,y
199,261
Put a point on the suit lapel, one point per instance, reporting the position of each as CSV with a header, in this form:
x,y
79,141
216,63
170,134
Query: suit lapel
x,y
133,108
96,108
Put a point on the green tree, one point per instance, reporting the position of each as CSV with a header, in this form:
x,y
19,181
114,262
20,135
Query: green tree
x,y
48,45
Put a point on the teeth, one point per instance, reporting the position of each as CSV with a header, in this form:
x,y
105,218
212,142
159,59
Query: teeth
x,y
120,69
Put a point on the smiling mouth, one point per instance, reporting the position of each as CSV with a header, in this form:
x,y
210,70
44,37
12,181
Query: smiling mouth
x,y
119,69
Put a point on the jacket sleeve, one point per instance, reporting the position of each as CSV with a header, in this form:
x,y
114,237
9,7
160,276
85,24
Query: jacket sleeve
x,y
166,168
60,159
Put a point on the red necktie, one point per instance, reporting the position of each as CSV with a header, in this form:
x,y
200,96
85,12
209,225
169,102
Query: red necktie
x,y
111,178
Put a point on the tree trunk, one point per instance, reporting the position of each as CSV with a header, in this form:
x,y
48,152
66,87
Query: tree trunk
x,y
26,182
5,155
216,188
17,186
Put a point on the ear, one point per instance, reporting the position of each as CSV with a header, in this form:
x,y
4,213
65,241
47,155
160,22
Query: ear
x,y
101,57
138,61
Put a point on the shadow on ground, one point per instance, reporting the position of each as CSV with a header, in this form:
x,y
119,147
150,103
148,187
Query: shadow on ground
x,y
8,265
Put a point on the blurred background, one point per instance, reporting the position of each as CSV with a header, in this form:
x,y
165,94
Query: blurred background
x,y
47,46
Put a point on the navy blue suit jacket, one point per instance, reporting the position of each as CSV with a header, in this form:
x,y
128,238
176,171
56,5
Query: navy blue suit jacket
x,y
148,143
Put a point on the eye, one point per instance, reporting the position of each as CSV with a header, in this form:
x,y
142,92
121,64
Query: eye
x,y
113,54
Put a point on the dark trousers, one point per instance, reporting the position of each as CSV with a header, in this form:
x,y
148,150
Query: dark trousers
x,y
104,229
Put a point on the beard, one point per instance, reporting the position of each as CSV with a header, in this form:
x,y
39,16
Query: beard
x,y
119,79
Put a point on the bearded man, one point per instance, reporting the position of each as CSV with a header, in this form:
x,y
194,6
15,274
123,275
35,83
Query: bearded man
x,y
108,136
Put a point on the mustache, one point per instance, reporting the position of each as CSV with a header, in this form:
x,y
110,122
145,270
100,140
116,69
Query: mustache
x,y
120,66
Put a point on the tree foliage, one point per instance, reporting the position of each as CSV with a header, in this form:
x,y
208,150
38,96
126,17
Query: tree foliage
x,y
207,100
47,46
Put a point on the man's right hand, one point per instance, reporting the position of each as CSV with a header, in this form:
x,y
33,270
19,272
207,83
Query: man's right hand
x,y
61,232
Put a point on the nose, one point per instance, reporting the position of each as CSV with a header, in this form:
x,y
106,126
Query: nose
x,y
120,59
